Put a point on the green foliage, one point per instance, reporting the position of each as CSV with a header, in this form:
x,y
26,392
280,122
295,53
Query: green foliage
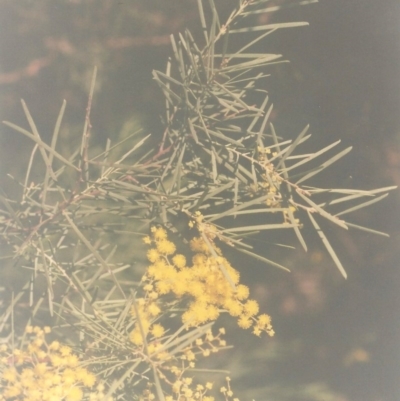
x,y
219,164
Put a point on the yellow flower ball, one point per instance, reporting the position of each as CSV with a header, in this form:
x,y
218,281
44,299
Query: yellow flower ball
x,y
157,330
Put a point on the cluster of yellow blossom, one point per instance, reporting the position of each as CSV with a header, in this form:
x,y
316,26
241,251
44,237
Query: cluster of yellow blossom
x,y
204,283
205,345
174,375
227,391
183,389
145,311
44,372
271,179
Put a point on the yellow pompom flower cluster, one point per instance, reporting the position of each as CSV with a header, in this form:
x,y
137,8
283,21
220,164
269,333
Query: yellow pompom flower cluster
x,y
44,372
205,283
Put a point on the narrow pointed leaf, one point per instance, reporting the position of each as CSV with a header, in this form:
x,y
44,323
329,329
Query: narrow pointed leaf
x,y
358,194
269,27
325,165
292,147
265,260
368,230
259,227
40,143
296,229
313,156
202,19
360,206
322,212
328,246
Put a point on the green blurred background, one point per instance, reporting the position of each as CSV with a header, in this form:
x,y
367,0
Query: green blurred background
x,y
336,340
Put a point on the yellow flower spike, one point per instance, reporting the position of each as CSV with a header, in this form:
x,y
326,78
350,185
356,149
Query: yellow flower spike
x,y
233,307
65,350
209,335
163,287
199,259
72,360
157,330
153,255
55,345
179,287
175,370
147,240
212,312
56,380
38,342
190,356
242,292
10,374
74,394
136,337
176,386
257,331
69,377
179,261
56,360
12,391
159,233
166,247
244,322
89,379
153,309
264,319
151,348
40,369
251,307
198,245
188,380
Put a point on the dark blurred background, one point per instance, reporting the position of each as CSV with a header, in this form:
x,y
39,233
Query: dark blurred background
x,y
335,340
